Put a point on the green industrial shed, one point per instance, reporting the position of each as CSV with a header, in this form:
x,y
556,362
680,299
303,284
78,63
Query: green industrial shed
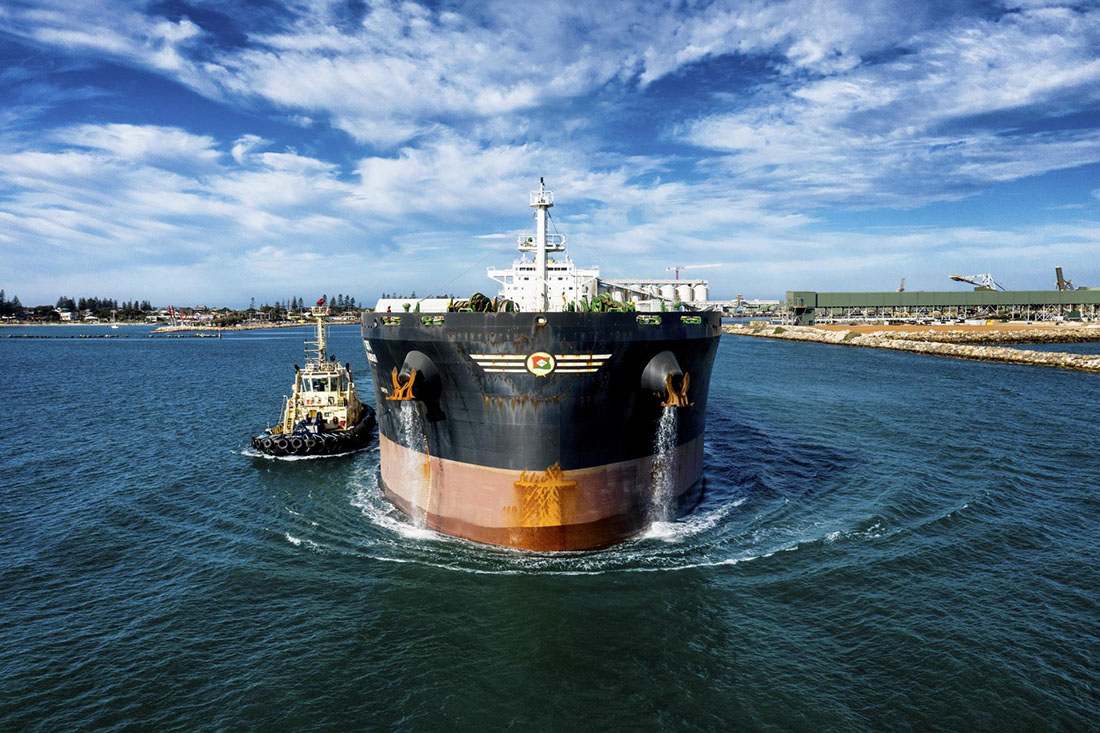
x,y
806,306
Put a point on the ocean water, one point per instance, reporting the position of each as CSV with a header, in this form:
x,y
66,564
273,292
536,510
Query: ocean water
x,y
888,541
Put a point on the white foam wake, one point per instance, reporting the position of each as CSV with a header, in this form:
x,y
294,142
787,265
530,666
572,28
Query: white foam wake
x,y
662,507
415,473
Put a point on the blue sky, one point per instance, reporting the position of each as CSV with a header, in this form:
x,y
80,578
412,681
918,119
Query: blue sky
x,y
188,152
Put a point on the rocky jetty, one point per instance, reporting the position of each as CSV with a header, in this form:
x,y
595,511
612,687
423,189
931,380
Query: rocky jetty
x,y
979,346
1015,336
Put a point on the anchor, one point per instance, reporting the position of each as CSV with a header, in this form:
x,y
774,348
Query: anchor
x,y
402,392
663,377
676,397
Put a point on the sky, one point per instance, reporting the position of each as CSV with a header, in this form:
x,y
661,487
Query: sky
x,y
193,151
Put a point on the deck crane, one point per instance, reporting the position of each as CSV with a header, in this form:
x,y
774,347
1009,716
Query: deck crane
x,y
983,281
901,288
1063,284
677,268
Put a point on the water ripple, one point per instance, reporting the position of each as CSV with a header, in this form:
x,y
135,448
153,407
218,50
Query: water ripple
x,y
886,541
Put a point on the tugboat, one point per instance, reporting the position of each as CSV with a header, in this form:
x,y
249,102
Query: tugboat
x,y
565,414
323,416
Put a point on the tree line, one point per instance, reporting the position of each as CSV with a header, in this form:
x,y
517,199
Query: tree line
x,y
105,308
338,304
10,307
110,308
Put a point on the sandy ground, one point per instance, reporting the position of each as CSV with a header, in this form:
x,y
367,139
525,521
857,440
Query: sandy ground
x,y
916,328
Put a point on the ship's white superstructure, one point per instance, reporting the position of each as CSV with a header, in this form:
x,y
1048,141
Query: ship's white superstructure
x,y
548,280
544,278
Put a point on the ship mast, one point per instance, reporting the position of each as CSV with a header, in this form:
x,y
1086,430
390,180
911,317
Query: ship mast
x,y
319,352
541,200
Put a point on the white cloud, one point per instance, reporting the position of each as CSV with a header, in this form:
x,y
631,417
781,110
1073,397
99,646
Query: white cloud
x,y
922,126
279,223
130,189
243,147
142,143
401,69
821,36
460,113
114,29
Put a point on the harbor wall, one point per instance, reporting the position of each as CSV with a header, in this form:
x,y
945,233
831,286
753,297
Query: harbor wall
x,y
979,346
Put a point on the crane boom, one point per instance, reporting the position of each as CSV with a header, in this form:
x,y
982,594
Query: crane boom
x,y
984,280
677,268
1063,284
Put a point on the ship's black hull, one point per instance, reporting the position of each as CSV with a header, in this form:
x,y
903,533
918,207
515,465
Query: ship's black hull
x,y
329,443
493,448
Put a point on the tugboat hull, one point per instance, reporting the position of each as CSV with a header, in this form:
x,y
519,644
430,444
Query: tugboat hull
x,y
331,443
540,430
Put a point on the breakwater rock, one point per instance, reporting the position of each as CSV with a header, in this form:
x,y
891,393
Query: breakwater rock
x,y
963,345
997,336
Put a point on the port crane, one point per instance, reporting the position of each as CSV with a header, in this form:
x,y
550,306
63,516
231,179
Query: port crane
x,y
677,268
984,280
1063,284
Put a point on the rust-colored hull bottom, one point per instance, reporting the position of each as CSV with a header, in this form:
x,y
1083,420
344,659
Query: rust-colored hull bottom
x,y
543,508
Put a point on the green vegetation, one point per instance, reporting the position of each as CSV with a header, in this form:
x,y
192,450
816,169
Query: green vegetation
x,y
10,308
85,309
234,318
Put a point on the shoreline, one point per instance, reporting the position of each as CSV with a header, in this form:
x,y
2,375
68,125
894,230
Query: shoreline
x,y
173,329
264,327
976,344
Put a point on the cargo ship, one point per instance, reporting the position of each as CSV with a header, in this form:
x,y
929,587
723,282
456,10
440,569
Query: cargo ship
x,y
550,418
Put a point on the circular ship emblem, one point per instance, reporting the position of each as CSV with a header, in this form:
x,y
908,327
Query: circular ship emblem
x,y
540,364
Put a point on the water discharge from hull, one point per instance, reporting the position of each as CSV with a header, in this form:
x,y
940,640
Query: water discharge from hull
x,y
416,471
662,505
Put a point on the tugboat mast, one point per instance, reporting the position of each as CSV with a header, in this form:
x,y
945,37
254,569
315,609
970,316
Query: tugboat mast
x,y
541,200
320,351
